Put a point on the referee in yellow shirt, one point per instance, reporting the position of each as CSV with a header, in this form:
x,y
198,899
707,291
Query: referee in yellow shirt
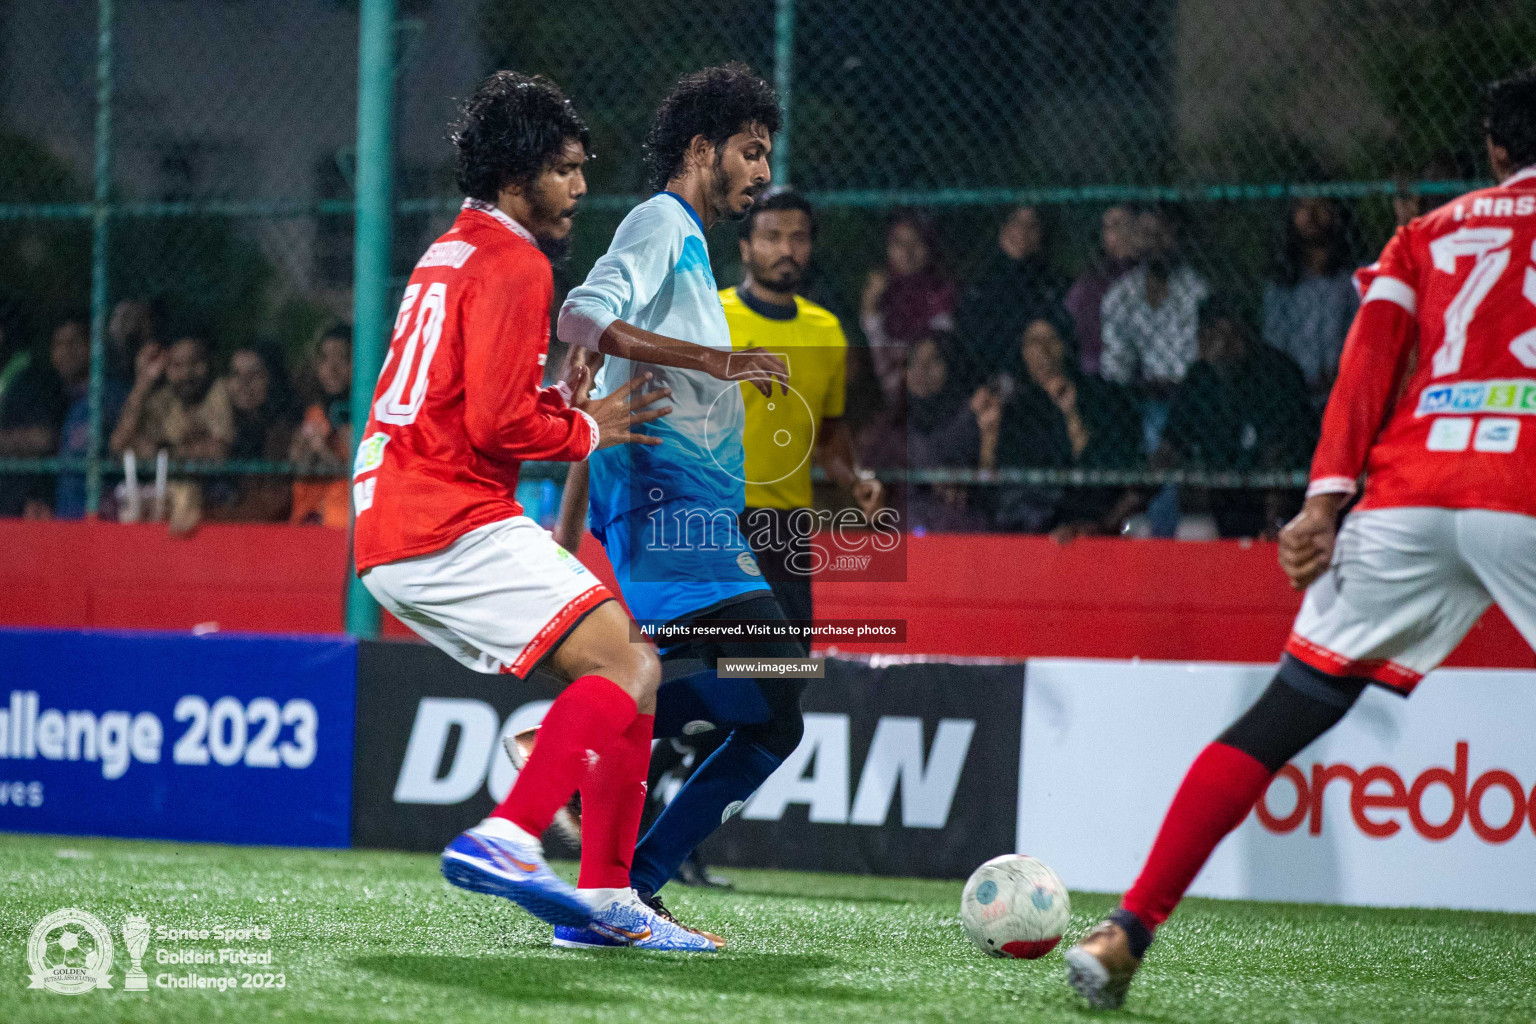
x,y
786,433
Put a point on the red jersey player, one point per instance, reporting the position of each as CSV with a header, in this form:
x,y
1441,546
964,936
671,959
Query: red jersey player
x,y
441,542
1435,406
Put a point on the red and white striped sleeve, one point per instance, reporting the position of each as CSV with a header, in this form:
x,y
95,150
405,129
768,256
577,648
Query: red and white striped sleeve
x,y
1371,367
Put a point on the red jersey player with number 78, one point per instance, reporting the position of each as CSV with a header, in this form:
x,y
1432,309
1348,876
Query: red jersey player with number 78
x,y
1435,406
442,544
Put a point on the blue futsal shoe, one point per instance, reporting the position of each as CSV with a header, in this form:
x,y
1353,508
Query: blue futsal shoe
x,y
498,858
621,920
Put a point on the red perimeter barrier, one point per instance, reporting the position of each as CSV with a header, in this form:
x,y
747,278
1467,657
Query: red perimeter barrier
x,y
966,594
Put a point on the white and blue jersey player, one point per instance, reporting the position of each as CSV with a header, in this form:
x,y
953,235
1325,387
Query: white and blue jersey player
x,y
666,513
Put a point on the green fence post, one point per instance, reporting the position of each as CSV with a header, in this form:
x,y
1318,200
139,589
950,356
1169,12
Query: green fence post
x,y
783,82
100,221
372,240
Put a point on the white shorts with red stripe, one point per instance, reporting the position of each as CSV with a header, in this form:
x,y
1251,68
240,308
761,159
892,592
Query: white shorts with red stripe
x,y
1405,586
498,599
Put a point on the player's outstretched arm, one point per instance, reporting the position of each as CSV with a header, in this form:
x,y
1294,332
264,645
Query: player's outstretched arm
x,y
572,523
597,313
755,365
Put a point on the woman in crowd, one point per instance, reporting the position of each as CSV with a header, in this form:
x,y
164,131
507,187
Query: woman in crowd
x,y
925,428
906,301
1045,415
325,437
264,426
1015,285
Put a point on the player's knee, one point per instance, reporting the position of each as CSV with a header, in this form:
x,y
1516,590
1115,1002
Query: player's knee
x,y
634,668
644,672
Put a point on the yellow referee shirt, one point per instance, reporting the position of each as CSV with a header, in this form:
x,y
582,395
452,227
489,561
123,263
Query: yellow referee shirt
x,y
782,431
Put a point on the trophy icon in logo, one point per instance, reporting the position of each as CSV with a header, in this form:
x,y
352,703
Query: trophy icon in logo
x,y
136,937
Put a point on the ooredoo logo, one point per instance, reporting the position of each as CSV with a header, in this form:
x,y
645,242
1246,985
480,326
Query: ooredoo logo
x,y
1375,811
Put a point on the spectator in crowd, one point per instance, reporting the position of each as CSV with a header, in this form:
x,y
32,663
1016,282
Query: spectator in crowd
x,y
264,426
1310,302
1015,285
1149,320
176,405
1119,248
135,325
70,354
1100,422
1242,407
31,412
906,301
324,439
921,430
1149,316
1014,425
1050,417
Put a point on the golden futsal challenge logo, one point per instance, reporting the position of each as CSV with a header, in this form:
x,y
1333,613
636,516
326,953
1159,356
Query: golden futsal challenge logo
x,y
70,952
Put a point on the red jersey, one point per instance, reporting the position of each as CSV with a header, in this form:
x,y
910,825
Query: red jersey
x,y
458,407
1436,397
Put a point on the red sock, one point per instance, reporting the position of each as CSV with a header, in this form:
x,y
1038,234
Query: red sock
x,y
1214,798
612,800
583,722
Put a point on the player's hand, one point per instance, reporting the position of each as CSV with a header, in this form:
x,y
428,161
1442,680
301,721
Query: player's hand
x,y
580,365
870,494
1306,542
758,367
618,414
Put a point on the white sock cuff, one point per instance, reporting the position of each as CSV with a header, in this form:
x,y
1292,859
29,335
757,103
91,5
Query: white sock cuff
x,y
599,898
503,828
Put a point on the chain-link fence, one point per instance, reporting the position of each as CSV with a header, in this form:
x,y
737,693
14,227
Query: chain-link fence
x,y
1110,241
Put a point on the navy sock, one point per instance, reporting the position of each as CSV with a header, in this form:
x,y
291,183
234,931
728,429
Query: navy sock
x,y
731,774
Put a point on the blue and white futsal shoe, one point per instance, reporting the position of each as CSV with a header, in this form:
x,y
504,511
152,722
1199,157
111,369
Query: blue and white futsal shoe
x,y
498,858
619,919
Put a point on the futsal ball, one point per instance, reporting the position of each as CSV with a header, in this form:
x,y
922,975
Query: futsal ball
x,y
1015,907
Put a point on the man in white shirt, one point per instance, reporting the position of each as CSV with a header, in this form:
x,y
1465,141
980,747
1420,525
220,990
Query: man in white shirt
x,y
1151,316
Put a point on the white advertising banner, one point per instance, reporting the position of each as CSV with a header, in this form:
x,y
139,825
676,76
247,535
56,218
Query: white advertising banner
x,y
1425,802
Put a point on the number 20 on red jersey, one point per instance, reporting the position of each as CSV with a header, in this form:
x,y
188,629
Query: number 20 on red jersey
x,y
402,400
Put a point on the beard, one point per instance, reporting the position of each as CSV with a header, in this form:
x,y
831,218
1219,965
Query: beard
x,y
722,195
779,278
556,250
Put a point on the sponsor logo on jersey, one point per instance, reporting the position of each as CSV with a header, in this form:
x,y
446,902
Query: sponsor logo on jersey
x,y
1497,434
1516,396
370,454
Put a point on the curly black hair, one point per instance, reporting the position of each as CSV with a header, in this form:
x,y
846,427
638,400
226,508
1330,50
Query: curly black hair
x,y
510,130
1511,119
716,103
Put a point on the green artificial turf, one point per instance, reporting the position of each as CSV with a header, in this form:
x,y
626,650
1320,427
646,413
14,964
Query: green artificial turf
x,y
368,936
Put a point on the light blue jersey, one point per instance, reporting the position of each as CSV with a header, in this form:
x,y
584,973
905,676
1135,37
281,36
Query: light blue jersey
x,y
656,276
